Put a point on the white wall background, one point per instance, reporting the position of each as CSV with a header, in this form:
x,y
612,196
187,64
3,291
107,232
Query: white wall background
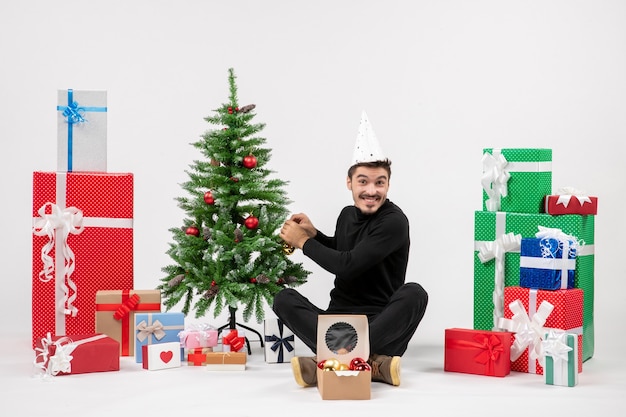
x,y
440,81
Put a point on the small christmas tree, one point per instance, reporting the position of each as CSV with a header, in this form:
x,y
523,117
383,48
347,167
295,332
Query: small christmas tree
x,y
228,253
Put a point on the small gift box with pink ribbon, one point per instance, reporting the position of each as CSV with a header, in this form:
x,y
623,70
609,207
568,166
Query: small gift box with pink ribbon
x,y
76,354
530,314
198,335
569,200
548,261
478,352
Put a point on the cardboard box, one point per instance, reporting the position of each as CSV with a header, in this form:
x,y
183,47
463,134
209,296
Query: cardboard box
x,y
516,179
161,356
547,264
115,314
157,328
489,227
477,352
77,354
566,316
561,367
571,204
279,342
226,361
81,131
344,338
82,243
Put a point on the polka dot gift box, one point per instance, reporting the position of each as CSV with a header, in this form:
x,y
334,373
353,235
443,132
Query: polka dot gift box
x,y
531,313
516,180
82,242
495,232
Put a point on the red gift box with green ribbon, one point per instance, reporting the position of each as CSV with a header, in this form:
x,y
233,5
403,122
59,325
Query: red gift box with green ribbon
x,y
82,242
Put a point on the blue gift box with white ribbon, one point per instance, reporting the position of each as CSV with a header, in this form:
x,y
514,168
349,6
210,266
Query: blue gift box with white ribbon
x,y
547,263
81,131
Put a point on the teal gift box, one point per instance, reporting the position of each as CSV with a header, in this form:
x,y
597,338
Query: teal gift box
x,y
561,364
154,328
516,180
498,233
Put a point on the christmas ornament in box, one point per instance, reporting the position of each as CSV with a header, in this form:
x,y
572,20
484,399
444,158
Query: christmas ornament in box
x,y
343,340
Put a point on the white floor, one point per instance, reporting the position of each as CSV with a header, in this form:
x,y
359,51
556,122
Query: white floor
x,y
269,389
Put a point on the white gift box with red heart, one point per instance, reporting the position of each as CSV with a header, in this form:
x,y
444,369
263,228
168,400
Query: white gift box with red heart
x,y
161,356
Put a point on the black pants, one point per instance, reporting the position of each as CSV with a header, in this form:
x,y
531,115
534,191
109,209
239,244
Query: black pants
x,y
390,330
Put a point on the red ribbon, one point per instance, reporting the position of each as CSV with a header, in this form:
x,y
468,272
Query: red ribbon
x,y
196,356
232,339
490,349
121,312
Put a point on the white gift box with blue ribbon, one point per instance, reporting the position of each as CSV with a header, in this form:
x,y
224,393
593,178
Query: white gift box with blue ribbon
x,y
81,131
279,342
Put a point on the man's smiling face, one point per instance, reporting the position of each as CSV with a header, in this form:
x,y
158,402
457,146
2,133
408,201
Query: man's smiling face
x,y
369,188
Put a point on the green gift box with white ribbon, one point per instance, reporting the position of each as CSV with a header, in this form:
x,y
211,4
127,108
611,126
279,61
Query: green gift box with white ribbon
x,y
561,365
497,238
516,180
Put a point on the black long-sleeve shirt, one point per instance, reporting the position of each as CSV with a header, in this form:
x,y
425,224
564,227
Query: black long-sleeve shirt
x,y
368,255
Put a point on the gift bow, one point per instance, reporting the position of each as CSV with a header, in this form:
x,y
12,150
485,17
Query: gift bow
x,y
568,243
490,348
73,113
279,341
529,331
61,361
494,179
555,345
495,250
145,330
566,194
61,222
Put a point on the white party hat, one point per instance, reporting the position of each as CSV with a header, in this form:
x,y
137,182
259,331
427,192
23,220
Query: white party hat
x,y
367,148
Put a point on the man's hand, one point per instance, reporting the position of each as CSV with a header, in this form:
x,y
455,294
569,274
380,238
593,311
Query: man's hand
x,y
297,230
304,222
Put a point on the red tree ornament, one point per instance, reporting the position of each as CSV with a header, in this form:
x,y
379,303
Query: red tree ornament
x,y
208,198
253,280
193,230
251,222
249,161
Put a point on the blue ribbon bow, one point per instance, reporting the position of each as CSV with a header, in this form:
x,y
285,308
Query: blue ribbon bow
x,y
279,341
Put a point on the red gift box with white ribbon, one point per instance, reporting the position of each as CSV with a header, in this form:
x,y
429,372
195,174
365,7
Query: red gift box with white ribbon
x,y
531,313
571,201
82,243
76,354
